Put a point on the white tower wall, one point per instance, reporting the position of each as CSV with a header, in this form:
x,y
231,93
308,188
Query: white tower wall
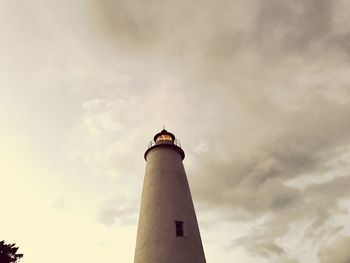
x,y
166,198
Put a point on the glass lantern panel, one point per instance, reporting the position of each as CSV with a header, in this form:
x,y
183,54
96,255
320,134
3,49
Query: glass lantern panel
x,y
164,137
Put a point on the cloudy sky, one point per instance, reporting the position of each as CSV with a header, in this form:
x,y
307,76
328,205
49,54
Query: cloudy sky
x,y
258,93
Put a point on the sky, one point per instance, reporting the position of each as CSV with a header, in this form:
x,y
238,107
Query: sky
x,y
258,93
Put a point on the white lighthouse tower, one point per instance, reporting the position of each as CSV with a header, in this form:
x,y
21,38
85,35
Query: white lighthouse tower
x,y
167,230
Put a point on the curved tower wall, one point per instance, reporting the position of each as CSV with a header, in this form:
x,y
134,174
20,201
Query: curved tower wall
x,y
166,199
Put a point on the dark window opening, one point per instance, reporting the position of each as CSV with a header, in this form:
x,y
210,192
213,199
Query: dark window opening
x,y
179,228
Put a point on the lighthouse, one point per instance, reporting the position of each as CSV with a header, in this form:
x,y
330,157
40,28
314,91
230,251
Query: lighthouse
x,y
167,229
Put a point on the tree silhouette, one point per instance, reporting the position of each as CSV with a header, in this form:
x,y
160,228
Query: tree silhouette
x,y
8,253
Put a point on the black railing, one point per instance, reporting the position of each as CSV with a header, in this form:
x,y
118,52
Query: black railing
x,y
152,143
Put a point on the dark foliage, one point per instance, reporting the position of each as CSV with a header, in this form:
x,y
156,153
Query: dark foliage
x,y
8,253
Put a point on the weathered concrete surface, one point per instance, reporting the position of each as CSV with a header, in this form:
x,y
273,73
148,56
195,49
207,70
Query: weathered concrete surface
x,y
166,198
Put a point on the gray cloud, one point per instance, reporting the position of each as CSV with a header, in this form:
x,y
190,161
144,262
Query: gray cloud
x,y
266,97
336,252
205,31
294,26
252,184
309,138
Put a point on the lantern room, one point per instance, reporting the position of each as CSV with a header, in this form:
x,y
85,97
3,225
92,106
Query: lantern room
x,y
164,136
165,139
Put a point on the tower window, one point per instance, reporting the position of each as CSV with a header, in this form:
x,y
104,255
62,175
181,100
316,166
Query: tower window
x,y
179,225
